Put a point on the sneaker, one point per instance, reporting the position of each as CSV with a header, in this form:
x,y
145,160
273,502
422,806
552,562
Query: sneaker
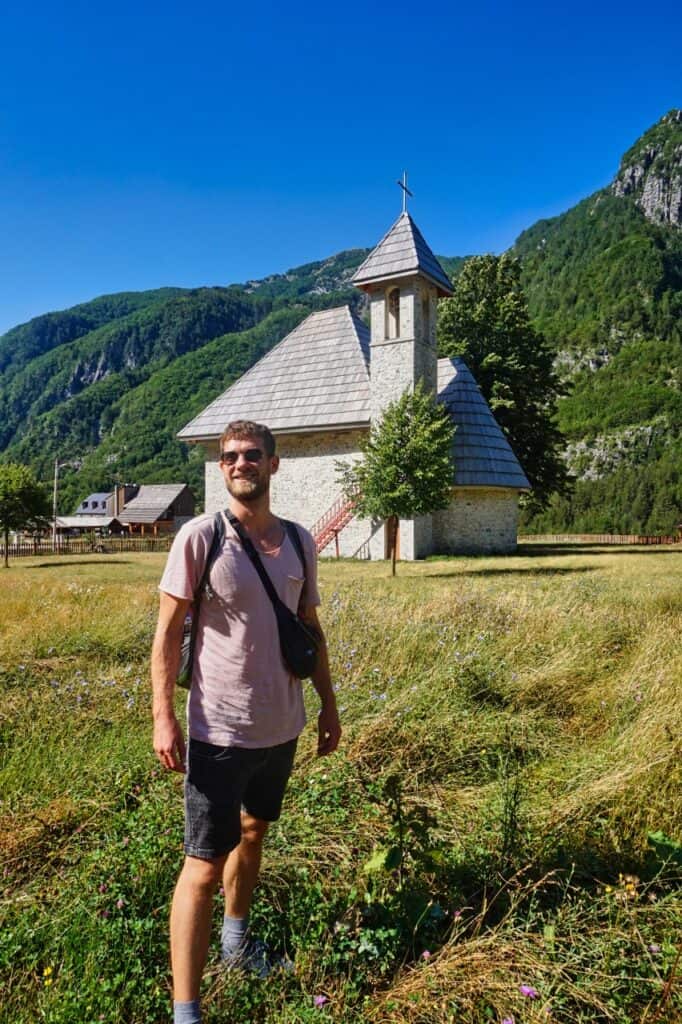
x,y
255,958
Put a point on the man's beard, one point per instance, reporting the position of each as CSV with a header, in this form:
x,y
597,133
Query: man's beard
x,y
248,489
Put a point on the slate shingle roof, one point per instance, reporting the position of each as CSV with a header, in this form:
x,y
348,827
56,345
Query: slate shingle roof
x,y
317,378
402,252
86,506
150,503
482,455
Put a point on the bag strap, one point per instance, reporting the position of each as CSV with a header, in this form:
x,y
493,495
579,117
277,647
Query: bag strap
x,y
216,544
295,538
213,551
255,558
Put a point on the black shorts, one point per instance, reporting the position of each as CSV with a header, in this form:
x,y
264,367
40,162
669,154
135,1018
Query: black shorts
x,y
222,780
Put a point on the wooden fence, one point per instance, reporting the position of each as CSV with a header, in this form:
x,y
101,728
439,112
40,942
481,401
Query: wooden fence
x,y
596,538
87,546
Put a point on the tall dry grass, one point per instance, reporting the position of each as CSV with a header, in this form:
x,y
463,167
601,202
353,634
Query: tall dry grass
x,y
512,726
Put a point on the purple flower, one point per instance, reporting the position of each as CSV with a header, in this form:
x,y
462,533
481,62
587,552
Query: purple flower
x,y
426,955
654,948
119,904
320,1000
508,1020
528,991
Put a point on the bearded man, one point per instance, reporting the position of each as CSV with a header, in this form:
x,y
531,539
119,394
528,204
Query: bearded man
x,y
245,709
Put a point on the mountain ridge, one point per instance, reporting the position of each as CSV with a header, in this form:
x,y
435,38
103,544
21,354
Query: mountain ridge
x,y
603,281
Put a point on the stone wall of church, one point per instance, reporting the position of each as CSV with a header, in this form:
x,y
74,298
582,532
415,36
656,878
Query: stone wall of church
x,y
306,486
477,521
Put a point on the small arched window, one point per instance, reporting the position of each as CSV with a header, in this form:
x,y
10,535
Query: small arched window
x,y
393,313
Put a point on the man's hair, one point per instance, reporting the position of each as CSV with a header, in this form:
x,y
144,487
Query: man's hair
x,y
242,430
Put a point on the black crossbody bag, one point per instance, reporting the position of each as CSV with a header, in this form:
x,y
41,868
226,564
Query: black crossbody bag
x,y
299,642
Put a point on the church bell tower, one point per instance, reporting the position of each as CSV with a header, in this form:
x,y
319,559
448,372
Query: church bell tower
x,y
404,281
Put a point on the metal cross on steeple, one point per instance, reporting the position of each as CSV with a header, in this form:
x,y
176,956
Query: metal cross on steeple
x,y
406,191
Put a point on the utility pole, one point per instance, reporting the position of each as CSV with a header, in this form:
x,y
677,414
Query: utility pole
x,y
54,506
57,466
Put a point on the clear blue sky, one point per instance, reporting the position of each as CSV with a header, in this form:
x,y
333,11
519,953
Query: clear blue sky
x,y
152,143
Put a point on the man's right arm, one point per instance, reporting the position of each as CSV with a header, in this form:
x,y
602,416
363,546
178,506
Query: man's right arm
x,y
169,742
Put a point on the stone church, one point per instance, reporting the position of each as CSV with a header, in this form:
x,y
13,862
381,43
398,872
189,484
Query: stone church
x,y
323,385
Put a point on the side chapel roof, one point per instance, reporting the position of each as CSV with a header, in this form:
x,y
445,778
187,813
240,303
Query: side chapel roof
x,y
317,378
402,252
482,455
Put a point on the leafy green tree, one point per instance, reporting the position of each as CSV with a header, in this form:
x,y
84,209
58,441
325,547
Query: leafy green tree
x,y
23,501
486,322
407,467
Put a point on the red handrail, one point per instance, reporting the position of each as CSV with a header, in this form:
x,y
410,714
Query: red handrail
x,y
333,521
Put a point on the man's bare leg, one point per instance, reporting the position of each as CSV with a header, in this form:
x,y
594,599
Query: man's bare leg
x,y
190,924
242,866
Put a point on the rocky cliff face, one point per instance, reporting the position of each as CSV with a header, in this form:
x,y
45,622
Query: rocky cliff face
x,y
651,172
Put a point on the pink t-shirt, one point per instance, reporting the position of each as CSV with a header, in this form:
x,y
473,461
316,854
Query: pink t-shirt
x,y
242,693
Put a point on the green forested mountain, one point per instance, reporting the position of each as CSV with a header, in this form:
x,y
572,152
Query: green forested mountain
x,y
109,382
604,284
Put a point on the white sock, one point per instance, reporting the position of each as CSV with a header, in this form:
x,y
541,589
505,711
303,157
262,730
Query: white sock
x,y
187,1013
233,934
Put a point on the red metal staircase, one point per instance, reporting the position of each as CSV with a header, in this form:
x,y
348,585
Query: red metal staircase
x,y
328,526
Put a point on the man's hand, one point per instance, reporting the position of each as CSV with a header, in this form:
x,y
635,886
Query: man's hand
x,y
169,743
328,730
328,725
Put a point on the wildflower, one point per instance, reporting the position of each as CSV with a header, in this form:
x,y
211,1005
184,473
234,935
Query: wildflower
x,y
320,1000
120,904
508,1020
102,887
528,991
608,888
653,947
47,972
426,955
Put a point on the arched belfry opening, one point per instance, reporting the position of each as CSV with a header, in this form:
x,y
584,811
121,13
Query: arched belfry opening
x,y
426,316
393,313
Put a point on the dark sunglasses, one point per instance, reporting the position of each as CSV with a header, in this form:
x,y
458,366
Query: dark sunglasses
x,y
251,455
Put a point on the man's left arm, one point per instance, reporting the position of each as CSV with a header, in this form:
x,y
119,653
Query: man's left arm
x,y
328,724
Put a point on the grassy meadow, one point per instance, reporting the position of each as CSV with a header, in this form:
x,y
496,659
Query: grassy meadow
x,y
498,840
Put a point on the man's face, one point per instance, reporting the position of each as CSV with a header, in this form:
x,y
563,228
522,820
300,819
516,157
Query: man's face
x,y
247,468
